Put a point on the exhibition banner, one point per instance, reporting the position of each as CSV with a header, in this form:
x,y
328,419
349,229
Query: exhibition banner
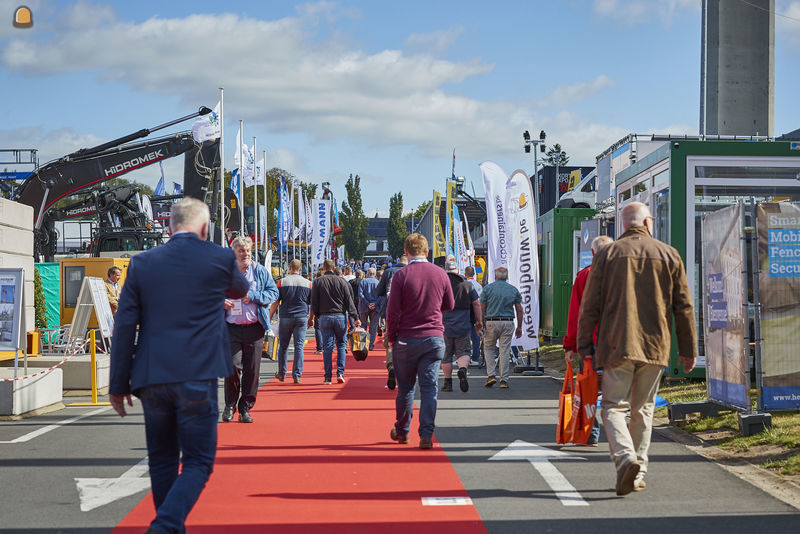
x,y
523,261
779,292
439,248
461,252
497,247
321,224
724,297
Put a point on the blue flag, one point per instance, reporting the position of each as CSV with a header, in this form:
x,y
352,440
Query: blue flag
x,y
160,192
177,189
234,184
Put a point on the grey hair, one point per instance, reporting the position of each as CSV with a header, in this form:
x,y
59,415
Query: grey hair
x,y
634,214
359,274
371,271
189,213
501,273
241,242
599,242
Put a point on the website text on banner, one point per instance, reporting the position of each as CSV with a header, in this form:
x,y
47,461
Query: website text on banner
x,y
494,186
779,292
523,260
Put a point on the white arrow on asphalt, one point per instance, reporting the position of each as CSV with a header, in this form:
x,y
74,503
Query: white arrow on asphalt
x,y
96,492
540,457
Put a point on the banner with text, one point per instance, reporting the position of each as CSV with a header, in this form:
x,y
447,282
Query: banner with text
x,y
724,319
779,292
497,247
321,224
439,249
523,262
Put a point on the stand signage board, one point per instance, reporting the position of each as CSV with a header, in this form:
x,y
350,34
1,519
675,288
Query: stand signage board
x,y
779,292
10,309
92,297
724,319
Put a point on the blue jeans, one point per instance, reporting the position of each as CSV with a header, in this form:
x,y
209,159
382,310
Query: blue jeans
x,y
317,334
334,333
287,328
416,358
476,345
180,421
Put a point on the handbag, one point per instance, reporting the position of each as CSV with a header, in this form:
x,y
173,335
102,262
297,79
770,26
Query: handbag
x,y
564,428
584,403
269,349
359,343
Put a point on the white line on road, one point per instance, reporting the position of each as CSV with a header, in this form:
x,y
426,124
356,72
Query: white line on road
x,y
96,492
45,429
565,491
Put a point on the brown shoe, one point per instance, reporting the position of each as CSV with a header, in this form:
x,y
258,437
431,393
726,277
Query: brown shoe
x,y
426,443
503,384
490,382
626,477
397,437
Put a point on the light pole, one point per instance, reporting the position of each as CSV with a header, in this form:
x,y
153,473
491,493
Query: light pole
x,y
528,142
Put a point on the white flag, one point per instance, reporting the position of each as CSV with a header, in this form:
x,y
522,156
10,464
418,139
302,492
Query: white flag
x,y
301,214
260,172
462,257
207,127
523,263
248,167
470,246
321,216
497,246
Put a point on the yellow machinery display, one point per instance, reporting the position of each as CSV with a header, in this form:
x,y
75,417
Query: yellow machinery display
x,y
74,270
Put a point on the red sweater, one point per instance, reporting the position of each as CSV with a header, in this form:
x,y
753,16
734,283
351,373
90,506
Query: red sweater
x,y
574,309
420,293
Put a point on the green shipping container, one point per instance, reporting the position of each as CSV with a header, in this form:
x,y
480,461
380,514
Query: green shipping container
x,y
558,227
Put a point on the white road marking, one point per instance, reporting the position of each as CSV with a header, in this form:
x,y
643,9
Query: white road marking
x,y
539,457
45,429
446,501
96,492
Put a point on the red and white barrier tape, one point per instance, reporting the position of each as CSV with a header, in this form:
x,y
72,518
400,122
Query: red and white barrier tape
x,y
59,364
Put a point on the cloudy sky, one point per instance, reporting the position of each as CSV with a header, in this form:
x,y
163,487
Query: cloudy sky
x,y
384,90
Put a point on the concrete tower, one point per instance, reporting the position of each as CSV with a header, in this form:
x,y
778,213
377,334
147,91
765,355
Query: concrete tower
x,y
737,67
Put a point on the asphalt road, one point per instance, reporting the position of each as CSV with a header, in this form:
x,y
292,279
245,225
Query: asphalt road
x,y
685,492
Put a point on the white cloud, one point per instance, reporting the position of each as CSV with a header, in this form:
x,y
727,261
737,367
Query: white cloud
x,y
50,144
788,26
435,43
630,12
564,95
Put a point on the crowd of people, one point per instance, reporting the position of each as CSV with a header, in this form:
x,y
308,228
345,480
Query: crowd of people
x,y
430,318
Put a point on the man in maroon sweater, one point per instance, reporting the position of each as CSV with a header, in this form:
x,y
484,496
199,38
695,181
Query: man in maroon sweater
x,y
420,293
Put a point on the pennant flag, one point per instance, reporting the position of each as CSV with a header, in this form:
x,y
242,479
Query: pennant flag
x,y
309,222
283,214
160,191
207,127
176,188
301,214
462,259
470,246
497,246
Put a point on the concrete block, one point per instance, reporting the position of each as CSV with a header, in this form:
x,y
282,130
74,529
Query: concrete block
x,y
16,261
16,215
77,370
677,411
29,393
754,423
16,241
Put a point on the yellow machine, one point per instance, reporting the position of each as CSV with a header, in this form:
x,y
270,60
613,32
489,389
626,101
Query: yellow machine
x,y
73,271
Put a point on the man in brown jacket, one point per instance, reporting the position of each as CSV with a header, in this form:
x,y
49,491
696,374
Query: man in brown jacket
x,y
635,287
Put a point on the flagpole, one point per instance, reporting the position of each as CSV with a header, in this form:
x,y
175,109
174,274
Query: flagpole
x,y
221,171
255,201
241,181
267,243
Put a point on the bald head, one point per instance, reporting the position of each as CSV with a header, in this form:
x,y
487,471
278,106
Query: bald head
x,y
599,242
634,214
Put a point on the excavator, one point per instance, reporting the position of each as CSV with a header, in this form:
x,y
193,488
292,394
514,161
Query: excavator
x,y
123,217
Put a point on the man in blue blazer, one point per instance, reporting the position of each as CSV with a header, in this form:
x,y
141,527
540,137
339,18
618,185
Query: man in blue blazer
x,y
175,294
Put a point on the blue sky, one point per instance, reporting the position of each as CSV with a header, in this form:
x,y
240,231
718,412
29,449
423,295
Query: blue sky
x,y
384,90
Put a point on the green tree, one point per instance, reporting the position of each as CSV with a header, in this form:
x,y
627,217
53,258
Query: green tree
x,y
396,230
39,305
555,154
417,213
354,222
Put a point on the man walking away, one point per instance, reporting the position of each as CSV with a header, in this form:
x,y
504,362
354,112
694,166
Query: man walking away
x,y
384,289
499,301
368,304
174,293
420,293
248,321
570,351
457,327
295,305
475,338
635,288
332,302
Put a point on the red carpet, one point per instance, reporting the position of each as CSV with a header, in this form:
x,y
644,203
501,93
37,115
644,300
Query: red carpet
x,y
319,459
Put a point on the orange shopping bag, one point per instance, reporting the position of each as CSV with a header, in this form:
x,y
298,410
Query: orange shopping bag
x,y
565,413
584,403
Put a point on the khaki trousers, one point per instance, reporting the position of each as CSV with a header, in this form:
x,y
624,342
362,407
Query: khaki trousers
x,y
630,386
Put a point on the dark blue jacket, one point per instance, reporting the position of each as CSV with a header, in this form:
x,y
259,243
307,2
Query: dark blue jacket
x,y
176,294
